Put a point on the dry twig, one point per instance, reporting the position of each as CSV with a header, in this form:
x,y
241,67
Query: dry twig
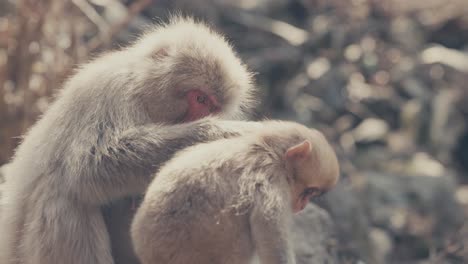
x,y
133,10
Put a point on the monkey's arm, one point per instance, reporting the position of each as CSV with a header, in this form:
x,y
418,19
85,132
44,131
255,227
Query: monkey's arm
x,y
122,164
269,222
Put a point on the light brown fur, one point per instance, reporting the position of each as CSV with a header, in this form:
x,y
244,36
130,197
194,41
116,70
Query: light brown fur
x,y
225,201
113,124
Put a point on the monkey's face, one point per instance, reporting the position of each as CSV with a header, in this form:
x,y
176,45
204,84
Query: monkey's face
x,y
185,71
192,90
200,104
183,100
205,85
316,171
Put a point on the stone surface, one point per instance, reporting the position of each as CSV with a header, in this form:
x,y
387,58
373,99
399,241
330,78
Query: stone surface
x,y
313,236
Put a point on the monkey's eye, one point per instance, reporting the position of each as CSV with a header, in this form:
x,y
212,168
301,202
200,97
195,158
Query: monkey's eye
x,y
201,99
312,192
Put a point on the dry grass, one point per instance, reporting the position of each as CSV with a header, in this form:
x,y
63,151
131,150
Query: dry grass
x,y
40,43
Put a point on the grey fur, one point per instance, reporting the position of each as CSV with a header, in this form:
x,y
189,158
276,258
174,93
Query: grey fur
x,y
110,128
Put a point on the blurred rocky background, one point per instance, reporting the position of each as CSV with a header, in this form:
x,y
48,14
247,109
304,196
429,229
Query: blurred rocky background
x,y
385,80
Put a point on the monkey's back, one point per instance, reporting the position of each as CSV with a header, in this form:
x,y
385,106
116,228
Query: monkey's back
x,y
187,216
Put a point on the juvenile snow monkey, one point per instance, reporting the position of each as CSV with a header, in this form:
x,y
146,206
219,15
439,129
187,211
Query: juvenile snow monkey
x,y
113,124
225,201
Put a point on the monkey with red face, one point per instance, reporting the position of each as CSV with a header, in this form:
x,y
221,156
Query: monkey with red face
x,y
113,124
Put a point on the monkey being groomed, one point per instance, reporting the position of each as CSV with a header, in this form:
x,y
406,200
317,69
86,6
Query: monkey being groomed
x,y
111,127
228,200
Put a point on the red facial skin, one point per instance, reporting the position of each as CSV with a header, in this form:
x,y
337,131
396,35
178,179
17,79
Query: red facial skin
x,y
304,198
200,104
300,205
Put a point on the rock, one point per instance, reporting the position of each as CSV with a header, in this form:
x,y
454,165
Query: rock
x,y
414,120
462,196
413,209
424,165
383,244
460,154
450,57
318,67
387,217
446,124
407,33
313,236
371,129
414,88
352,224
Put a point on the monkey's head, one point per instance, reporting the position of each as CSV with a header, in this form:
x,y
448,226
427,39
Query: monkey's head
x,y
313,166
186,71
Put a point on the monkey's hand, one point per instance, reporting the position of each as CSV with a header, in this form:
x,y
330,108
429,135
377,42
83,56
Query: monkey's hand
x,y
122,163
269,222
230,128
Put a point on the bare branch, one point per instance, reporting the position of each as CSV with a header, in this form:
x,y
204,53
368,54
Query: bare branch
x,y
92,15
133,10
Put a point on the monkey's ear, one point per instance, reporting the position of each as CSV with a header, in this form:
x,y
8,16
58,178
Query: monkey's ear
x,y
300,151
160,53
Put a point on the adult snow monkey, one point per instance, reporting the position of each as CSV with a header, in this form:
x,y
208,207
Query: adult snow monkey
x,y
116,120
